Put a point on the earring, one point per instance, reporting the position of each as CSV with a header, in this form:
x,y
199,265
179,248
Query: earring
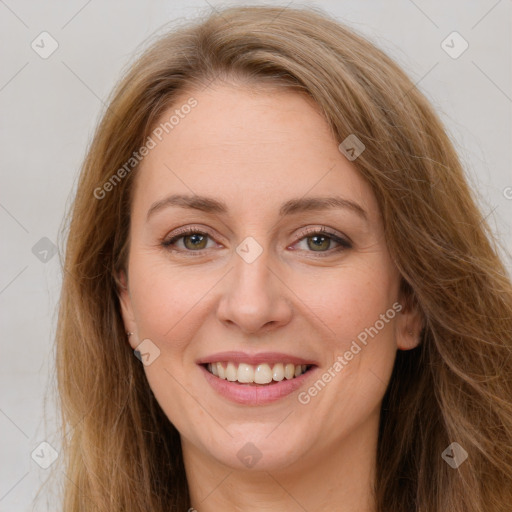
x,y
129,334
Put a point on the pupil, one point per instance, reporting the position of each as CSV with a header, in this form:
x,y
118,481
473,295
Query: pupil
x,y
195,238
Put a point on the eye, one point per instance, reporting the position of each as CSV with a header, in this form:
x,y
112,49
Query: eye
x,y
193,240
318,239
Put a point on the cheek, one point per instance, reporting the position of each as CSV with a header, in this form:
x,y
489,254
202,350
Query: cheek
x,y
349,300
164,300
358,311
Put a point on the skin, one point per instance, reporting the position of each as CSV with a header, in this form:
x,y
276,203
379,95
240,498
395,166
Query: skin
x,y
254,150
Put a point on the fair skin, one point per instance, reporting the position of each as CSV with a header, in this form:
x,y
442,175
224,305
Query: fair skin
x,y
255,151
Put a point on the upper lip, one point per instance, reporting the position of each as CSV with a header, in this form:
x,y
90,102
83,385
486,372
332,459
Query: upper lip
x,y
261,357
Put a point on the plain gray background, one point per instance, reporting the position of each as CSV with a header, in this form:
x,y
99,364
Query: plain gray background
x,y
51,106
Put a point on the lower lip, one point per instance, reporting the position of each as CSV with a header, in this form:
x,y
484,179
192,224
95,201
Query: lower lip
x,y
248,394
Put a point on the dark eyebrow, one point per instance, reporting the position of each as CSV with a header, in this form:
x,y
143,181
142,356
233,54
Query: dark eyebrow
x,y
210,205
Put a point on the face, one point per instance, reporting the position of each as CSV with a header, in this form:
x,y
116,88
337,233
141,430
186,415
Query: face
x,y
249,271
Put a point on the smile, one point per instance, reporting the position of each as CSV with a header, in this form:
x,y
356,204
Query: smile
x,y
259,374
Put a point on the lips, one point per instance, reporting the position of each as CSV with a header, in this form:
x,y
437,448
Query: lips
x,y
270,358
255,379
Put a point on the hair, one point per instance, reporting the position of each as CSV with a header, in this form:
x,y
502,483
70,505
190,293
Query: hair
x,y
121,451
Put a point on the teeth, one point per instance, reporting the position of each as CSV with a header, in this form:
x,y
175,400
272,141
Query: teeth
x,y
221,372
289,371
278,372
245,373
263,374
258,374
231,372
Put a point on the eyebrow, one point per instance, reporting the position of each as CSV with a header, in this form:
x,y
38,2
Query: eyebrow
x,y
299,205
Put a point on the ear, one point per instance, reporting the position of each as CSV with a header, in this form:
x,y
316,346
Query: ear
x,y
409,324
125,302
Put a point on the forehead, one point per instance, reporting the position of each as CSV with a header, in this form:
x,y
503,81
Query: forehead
x,y
252,149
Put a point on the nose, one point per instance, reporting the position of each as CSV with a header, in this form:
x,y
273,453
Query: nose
x,y
255,298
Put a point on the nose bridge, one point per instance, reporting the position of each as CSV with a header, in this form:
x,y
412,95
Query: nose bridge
x,y
253,296
251,272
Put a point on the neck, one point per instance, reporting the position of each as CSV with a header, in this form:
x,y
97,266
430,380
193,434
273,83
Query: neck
x,y
335,478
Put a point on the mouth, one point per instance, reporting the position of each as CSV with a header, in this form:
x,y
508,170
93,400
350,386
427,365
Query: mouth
x,y
256,379
263,374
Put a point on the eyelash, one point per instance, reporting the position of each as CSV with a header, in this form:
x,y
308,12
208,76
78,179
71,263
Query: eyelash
x,y
343,243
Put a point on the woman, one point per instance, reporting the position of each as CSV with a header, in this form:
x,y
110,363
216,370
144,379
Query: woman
x,y
279,293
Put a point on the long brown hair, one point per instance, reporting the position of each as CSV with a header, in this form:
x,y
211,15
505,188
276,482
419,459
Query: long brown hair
x,y
122,453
